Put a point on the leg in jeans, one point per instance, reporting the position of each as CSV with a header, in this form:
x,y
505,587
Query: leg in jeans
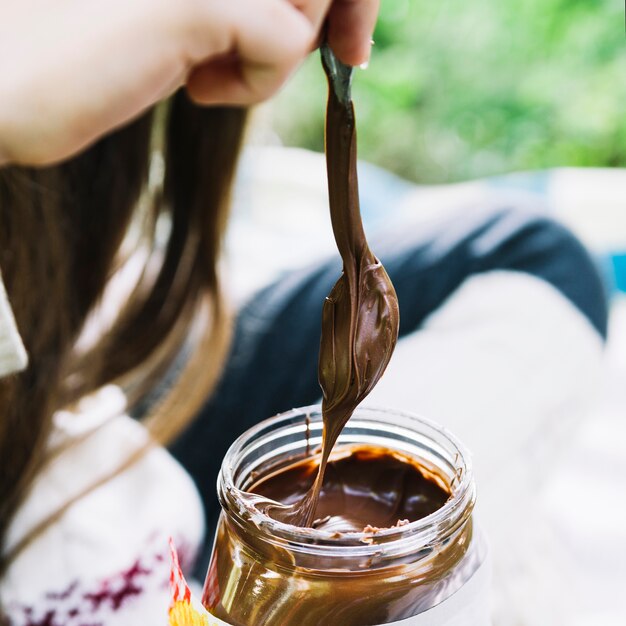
x,y
502,318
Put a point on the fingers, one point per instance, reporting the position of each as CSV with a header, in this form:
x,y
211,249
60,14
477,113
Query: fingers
x,y
266,48
269,38
229,81
350,28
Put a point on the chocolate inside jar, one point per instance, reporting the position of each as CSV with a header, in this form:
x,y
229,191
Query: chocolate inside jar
x,y
365,488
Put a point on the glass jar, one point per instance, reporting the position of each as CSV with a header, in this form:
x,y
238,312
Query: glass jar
x,y
264,572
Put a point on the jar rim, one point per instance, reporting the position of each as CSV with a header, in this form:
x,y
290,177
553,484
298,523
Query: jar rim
x,y
416,535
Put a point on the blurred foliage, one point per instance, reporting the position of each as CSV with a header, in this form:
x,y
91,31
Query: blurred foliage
x,y
457,90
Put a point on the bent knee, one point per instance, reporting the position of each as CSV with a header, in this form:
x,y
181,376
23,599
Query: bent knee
x,y
520,240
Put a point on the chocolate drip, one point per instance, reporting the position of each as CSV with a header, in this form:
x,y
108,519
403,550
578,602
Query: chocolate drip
x,y
360,317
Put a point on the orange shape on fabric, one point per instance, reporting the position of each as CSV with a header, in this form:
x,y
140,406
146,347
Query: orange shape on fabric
x,y
183,614
184,609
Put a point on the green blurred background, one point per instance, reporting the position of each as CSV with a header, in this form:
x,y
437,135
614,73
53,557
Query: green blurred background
x,y
459,90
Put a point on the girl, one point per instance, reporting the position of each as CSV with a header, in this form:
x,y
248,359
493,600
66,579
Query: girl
x,y
113,296
85,507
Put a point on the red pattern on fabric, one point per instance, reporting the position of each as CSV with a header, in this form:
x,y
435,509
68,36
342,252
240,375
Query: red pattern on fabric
x,y
179,588
78,605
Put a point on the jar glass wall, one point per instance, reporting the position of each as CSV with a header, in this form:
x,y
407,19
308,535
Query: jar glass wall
x,y
266,572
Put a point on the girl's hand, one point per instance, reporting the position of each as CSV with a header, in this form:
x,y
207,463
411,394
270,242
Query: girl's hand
x,y
72,70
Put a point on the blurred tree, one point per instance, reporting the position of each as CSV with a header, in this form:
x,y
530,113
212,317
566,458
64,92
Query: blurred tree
x,y
457,90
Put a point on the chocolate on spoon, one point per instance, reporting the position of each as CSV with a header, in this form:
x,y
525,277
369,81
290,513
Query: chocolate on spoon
x,y
360,317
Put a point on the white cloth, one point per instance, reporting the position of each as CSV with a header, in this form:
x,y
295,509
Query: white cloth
x,y
106,560
510,366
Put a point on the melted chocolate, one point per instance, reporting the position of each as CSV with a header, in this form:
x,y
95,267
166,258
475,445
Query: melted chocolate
x,y
360,317
254,581
364,488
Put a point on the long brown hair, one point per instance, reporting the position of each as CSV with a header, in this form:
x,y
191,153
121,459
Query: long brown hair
x,y
62,231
